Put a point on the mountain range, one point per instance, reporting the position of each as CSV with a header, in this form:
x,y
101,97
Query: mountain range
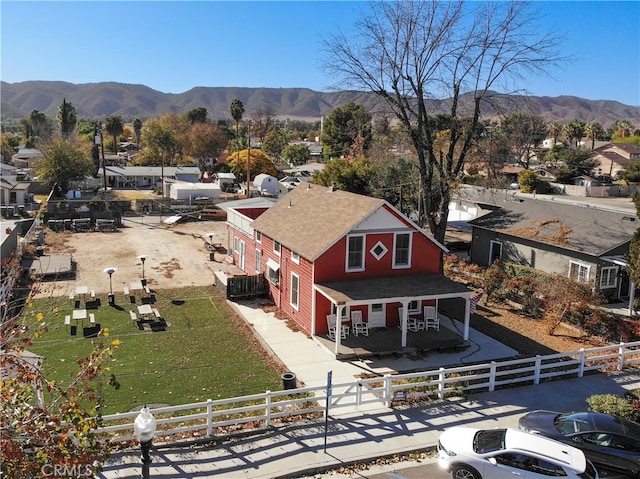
x,y
99,100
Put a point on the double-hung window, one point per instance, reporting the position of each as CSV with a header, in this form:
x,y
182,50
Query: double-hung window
x,y
402,250
258,264
276,247
355,253
295,290
579,272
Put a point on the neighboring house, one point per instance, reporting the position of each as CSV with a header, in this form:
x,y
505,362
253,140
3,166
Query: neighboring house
x,y
326,251
13,192
581,242
615,157
267,185
225,181
183,190
148,176
26,157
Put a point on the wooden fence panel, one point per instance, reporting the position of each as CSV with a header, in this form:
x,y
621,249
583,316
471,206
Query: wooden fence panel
x,y
246,287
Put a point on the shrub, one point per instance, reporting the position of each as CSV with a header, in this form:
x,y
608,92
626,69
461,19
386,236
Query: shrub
x,y
626,407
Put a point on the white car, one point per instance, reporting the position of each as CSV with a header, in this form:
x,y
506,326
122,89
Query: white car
x,y
507,453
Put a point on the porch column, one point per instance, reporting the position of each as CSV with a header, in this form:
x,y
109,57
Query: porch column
x,y
467,315
405,317
339,309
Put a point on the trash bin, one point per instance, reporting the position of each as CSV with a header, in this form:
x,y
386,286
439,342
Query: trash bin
x,y
289,381
212,256
39,250
112,299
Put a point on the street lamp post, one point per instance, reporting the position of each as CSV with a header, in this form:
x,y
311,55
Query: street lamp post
x,y
143,258
110,272
144,427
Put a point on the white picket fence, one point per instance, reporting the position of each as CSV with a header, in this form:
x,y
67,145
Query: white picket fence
x,y
294,404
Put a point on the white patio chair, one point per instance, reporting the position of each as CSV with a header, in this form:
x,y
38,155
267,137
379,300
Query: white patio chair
x,y
431,318
412,323
358,324
331,323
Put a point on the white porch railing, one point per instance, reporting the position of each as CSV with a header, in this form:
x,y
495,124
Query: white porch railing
x,y
290,405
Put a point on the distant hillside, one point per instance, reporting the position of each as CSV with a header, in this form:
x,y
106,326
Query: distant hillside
x,y
99,100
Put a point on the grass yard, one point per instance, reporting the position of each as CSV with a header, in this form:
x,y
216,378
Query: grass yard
x,y
206,352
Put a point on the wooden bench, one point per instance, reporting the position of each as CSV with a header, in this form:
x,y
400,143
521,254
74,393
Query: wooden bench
x,y
133,315
67,320
156,312
92,318
93,294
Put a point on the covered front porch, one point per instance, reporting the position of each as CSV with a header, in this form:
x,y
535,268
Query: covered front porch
x,y
388,304
387,341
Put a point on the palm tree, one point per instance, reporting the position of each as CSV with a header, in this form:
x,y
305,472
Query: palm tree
x,y
236,110
137,128
554,129
592,130
624,128
574,131
114,127
67,118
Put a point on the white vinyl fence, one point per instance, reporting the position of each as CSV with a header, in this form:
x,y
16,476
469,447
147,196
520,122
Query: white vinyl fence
x,y
294,404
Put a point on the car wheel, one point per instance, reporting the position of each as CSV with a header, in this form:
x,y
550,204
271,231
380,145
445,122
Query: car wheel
x,y
464,472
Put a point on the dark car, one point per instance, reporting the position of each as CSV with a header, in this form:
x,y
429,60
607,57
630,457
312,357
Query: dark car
x,y
606,440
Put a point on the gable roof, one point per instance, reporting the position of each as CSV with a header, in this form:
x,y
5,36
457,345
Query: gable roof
x,y
312,218
579,228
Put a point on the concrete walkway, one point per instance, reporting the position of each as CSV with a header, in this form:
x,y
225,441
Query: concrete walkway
x,y
354,435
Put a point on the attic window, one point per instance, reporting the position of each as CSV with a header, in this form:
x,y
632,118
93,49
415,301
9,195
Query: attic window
x,y
379,250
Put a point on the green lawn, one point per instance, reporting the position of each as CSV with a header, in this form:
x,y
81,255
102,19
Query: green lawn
x,y
205,353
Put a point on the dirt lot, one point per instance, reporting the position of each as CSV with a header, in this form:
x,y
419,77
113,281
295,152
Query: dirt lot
x,y
177,255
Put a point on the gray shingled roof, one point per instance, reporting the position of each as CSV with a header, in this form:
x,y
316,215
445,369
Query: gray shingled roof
x,y
579,228
311,218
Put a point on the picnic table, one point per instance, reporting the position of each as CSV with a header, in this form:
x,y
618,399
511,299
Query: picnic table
x,y
79,314
145,310
136,286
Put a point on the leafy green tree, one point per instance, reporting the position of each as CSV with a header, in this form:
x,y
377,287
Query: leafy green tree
x,y
528,181
524,132
408,52
296,154
165,139
114,127
631,174
197,115
274,143
137,129
259,163
67,118
574,162
205,140
342,127
353,176
395,180
63,160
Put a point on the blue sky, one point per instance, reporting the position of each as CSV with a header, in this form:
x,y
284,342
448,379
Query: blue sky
x,y
176,46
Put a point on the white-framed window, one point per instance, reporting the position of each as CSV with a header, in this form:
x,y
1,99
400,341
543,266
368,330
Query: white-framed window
x,y
295,257
295,291
277,247
402,250
579,272
378,251
236,244
608,277
414,306
355,253
258,236
273,272
258,264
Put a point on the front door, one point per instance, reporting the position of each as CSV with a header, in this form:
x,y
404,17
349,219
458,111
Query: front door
x,y
495,251
376,317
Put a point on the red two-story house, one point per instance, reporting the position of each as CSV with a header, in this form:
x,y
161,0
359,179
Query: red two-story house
x,y
326,251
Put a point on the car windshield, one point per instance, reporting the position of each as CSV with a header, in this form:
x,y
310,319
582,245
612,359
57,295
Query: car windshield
x,y
568,424
489,441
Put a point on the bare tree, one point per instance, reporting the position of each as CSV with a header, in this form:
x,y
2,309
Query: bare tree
x,y
411,53
262,122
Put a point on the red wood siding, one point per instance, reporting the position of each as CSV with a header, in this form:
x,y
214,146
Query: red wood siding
x,y
425,259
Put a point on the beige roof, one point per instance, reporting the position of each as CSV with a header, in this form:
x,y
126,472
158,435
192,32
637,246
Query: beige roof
x,y
311,218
